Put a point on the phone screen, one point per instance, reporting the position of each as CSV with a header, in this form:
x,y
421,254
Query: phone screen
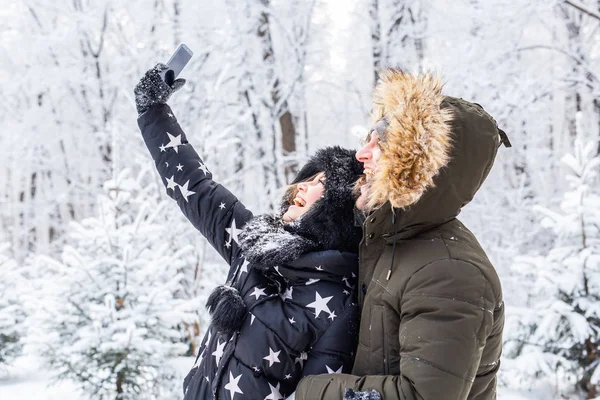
x,y
179,59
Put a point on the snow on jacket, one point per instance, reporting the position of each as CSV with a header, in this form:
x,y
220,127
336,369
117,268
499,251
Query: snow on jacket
x,y
302,316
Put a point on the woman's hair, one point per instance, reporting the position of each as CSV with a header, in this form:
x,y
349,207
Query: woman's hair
x,y
292,190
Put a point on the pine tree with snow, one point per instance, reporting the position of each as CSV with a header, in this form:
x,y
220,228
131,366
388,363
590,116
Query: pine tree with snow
x,y
559,339
112,307
12,313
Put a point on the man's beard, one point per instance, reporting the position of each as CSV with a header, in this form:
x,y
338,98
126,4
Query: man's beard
x,y
362,188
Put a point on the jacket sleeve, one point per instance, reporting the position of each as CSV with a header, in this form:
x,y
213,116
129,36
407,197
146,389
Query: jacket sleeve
x,y
210,207
335,349
446,316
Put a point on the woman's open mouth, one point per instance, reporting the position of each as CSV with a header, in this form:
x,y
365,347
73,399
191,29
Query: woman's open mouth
x,y
299,202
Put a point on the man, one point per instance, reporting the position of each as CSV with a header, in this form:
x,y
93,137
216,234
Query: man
x,y
432,310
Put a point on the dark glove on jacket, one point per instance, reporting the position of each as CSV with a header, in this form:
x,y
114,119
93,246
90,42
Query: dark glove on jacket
x,y
152,89
350,394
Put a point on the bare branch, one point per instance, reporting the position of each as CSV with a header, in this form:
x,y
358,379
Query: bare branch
x,y
583,9
577,59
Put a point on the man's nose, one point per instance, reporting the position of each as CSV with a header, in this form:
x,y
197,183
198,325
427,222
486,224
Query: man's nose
x,y
364,154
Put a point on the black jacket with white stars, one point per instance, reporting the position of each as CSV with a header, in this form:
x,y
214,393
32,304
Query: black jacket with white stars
x,y
301,316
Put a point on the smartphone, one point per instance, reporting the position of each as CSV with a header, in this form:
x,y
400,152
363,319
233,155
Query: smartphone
x,y
179,60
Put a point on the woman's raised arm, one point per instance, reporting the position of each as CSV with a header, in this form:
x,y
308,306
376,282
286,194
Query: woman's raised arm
x,y
210,207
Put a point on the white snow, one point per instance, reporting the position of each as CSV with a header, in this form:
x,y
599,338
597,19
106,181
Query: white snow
x,y
24,380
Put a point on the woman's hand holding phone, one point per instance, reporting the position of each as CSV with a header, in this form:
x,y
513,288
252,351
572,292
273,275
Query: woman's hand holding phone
x,y
159,83
152,89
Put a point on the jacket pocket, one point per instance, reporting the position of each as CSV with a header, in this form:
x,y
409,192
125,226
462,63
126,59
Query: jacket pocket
x,y
380,346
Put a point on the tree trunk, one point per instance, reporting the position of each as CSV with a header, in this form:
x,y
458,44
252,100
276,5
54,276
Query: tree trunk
x,y
407,28
279,111
375,38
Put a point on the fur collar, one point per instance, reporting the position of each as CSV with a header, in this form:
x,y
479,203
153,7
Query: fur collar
x,y
267,242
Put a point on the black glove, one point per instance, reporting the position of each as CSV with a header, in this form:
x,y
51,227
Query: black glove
x,y
350,394
152,90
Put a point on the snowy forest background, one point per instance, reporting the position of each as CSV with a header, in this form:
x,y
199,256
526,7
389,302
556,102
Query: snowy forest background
x,y
103,282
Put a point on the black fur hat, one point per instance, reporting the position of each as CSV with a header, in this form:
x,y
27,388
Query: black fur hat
x,y
330,221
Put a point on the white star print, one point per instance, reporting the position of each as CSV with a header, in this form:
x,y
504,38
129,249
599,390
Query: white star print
x,y
288,293
179,167
292,321
311,281
174,142
275,395
167,164
252,316
207,380
346,282
332,316
222,206
320,304
256,369
233,232
244,267
218,353
288,376
203,167
273,357
345,292
233,385
170,115
199,361
228,245
353,275
258,292
319,268
303,356
330,371
185,192
171,183
163,148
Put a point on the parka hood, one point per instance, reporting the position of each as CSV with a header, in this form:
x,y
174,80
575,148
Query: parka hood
x,y
436,151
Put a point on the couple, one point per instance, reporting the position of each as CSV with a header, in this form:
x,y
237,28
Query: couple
x,y
364,285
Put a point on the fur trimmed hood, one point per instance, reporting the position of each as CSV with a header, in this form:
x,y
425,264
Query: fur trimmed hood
x,y
417,140
436,150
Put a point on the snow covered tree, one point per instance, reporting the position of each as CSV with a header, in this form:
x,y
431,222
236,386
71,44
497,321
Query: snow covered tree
x,y
12,313
406,33
113,306
560,338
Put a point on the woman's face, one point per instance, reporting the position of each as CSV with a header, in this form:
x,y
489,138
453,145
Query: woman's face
x,y
307,193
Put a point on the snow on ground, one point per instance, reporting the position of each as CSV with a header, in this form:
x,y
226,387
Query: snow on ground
x,y
25,380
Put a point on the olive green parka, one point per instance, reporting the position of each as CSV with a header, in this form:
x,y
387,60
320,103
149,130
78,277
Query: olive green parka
x,y
432,310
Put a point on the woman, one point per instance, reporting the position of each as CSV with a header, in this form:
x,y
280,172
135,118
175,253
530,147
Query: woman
x,y
288,309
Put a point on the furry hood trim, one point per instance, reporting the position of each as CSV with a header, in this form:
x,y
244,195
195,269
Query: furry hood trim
x,y
417,141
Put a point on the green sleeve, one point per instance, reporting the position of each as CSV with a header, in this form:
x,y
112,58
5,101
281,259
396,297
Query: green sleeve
x,y
447,312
